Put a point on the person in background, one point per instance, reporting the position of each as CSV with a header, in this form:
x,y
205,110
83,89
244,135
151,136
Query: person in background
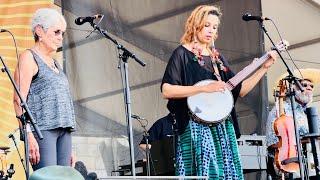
x,y
45,88
302,100
161,129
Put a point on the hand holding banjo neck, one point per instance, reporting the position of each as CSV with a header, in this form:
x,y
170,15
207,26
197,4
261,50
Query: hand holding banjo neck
x,y
215,107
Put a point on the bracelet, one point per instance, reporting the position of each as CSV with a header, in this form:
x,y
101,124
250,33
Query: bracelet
x,y
28,128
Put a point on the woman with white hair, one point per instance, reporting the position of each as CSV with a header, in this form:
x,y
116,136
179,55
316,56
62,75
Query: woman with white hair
x,y
45,88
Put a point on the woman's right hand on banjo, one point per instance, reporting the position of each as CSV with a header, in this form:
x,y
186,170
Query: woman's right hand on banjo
x,y
216,86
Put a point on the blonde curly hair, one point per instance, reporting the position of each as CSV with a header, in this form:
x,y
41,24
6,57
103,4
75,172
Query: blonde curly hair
x,y
196,22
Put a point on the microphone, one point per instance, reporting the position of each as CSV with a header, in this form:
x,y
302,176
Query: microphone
x,y
249,17
312,116
137,117
3,30
82,20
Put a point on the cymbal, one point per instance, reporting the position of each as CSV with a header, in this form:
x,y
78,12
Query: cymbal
x,y
4,148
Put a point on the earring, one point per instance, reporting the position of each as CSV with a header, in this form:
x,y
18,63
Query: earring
x,y
215,37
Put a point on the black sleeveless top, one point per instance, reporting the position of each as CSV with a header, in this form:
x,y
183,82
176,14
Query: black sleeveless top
x,y
183,70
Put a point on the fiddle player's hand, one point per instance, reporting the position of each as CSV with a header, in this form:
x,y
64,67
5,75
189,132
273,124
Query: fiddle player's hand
x,y
34,154
216,86
271,60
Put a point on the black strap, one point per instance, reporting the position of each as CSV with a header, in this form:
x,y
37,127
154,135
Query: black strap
x,y
221,71
290,160
36,75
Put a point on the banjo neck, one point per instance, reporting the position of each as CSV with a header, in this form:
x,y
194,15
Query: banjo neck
x,y
215,107
244,73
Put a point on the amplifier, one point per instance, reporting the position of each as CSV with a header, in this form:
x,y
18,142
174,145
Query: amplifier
x,y
253,151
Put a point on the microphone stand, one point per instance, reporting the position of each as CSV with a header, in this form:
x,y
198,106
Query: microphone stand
x,y
124,55
23,119
15,144
146,138
292,80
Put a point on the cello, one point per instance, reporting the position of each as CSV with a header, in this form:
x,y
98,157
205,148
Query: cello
x,y
286,156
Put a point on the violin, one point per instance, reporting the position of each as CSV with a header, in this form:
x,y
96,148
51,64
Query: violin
x,y
286,156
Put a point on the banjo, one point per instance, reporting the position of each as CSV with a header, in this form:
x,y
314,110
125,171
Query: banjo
x,y
215,107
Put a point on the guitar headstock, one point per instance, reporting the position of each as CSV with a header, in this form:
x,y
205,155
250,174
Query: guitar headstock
x,y
281,46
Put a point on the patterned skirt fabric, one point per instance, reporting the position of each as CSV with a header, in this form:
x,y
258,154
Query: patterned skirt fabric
x,y
208,151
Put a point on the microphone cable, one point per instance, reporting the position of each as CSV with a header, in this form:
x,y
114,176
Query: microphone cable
x,y
95,27
290,58
18,64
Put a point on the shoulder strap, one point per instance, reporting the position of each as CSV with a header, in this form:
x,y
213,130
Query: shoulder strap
x,y
35,59
33,54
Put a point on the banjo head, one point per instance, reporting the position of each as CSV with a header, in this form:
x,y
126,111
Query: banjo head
x,y
210,107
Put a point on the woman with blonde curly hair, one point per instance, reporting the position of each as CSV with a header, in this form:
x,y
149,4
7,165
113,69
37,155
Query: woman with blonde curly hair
x,y
202,149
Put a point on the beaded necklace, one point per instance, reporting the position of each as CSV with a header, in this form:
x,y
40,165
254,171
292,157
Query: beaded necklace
x,y
214,55
52,64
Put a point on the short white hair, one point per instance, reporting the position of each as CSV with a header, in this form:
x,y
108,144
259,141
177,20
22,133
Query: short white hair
x,y
46,18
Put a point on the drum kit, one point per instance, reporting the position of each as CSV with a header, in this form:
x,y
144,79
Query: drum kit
x,y
5,172
7,169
